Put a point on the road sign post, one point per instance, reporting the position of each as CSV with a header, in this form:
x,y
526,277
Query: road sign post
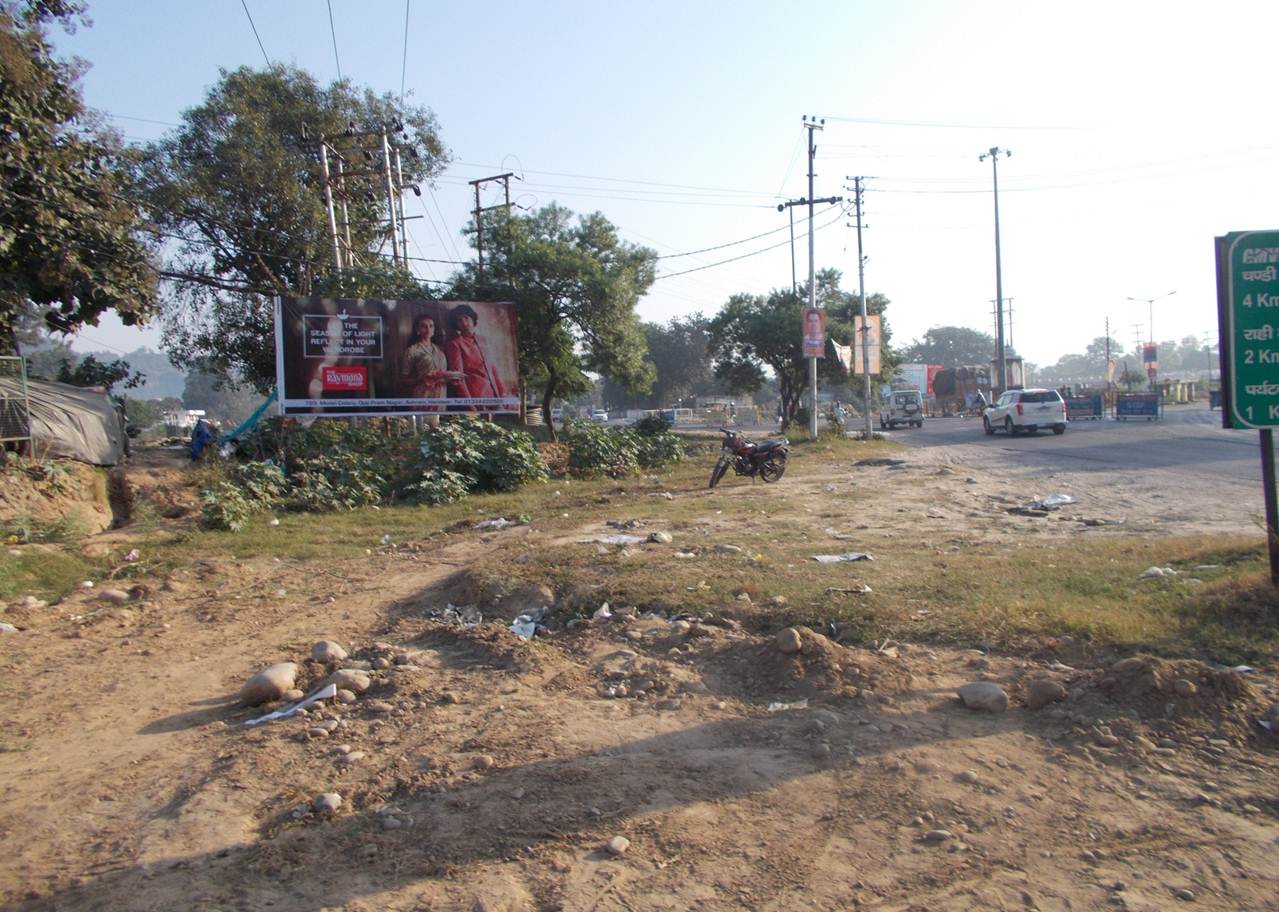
x,y
1248,315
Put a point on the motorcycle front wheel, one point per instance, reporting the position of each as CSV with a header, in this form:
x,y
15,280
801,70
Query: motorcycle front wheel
x,y
772,469
718,472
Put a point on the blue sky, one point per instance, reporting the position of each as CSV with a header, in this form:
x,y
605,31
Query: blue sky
x,y
1138,130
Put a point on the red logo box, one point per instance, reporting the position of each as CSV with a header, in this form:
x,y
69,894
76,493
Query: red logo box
x,y
355,377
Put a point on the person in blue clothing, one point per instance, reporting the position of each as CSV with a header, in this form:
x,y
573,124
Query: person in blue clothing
x,y
203,434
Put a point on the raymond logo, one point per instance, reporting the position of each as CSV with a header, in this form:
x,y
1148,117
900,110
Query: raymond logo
x,y
346,378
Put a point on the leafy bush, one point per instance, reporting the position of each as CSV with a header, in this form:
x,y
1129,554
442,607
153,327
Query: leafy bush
x,y
594,449
333,466
656,444
337,481
226,507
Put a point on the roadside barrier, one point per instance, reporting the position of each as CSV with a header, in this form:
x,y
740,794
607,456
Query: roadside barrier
x,y
1084,408
1138,405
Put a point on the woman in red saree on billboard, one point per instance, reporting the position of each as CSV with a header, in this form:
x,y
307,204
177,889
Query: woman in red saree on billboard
x,y
468,355
425,368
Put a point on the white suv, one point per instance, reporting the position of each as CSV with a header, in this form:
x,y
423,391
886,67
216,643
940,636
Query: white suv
x,y
902,407
1026,410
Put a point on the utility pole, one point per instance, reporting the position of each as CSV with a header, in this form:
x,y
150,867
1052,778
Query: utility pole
x,y
344,175
864,342
479,211
791,204
1007,316
810,125
1002,367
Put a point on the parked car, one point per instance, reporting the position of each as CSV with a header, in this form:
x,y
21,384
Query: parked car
x,y
902,407
599,415
1026,410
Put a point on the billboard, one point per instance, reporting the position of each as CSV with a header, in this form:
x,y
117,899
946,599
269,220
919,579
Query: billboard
x,y
341,357
814,332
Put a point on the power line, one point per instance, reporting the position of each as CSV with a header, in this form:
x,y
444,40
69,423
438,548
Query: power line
x,y
942,124
245,4
404,63
754,237
443,221
626,180
334,32
671,275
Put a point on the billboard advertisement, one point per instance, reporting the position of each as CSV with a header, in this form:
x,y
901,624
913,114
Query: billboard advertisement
x,y
341,357
814,332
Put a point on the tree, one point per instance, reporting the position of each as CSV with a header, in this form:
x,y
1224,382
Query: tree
x,y
239,185
92,372
576,284
218,394
951,346
679,352
70,241
755,333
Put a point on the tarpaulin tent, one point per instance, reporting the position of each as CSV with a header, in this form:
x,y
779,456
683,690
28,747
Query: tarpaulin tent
x,y
69,421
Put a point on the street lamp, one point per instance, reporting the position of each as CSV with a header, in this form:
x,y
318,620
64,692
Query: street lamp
x,y
1150,304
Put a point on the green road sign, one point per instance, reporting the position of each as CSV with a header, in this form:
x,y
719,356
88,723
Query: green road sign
x,y
1250,324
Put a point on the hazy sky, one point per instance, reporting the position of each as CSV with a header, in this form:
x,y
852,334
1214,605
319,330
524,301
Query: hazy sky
x,y
1138,132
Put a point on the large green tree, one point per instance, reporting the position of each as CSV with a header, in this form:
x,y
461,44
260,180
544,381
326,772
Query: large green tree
x,y
239,188
576,284
753,334
70,245
950,346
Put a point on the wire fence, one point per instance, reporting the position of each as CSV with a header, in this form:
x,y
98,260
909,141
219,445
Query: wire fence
x,y
15,403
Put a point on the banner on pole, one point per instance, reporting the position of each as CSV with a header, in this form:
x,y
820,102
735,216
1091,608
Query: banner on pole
x,y
845,355
814,332
342,357
866,340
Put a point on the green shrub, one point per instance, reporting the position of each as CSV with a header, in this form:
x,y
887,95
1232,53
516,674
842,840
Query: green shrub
x,y
487,456
655,443
341,480
226,507
594,449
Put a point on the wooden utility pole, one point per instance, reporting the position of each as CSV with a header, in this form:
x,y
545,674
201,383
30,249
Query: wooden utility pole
x,y
479,211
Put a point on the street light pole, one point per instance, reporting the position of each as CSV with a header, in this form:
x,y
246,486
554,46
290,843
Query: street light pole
x,y
810,126
1150,314
1002,365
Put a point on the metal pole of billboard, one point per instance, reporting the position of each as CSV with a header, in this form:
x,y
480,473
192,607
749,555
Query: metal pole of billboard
x,y
810,126
1268,490
328,205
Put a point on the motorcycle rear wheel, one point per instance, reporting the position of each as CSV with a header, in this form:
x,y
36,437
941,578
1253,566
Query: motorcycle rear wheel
x,y
772,469
718,472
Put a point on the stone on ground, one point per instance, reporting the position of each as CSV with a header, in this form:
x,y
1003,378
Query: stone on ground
x,y
269,684
986,696
327,651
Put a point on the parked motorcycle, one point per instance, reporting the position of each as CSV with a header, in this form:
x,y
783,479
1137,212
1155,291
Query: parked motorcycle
x,y
764,460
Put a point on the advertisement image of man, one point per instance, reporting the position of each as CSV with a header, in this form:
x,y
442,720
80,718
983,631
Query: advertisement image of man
x,y
466,354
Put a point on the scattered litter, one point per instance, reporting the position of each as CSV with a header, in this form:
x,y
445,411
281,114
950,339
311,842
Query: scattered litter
x,y
1095,521
859,589
386,538
1266,724
782,707
132,555
85,584
665,495
619,539
8,628
326,693
466,616
524,627
500,523
846,557
836,534
1157,573
602,613
1059,666
624,523
1243,669
1053,501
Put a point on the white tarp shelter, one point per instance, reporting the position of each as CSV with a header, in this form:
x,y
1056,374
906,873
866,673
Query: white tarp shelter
x,y
69,421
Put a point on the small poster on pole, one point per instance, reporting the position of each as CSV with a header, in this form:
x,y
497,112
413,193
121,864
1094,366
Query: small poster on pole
x,y
814,332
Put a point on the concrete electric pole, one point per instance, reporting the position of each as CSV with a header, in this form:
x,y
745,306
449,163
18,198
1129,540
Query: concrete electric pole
x,y
1001,363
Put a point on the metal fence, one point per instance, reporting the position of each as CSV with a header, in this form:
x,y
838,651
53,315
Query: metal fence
x,y
15,403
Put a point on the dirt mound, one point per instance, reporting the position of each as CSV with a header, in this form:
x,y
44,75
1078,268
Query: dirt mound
x,y
759,669
1188,690
490,646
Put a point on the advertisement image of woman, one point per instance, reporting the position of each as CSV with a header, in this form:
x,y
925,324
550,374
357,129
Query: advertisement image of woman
x,y
466,354
425,369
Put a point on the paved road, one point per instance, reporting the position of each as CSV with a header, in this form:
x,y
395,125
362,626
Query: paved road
x,y
1187,440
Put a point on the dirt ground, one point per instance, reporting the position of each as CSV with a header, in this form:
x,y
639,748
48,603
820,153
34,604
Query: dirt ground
x,y
479,771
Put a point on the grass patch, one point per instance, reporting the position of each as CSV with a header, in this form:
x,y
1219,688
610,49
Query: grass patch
x,y
45,572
